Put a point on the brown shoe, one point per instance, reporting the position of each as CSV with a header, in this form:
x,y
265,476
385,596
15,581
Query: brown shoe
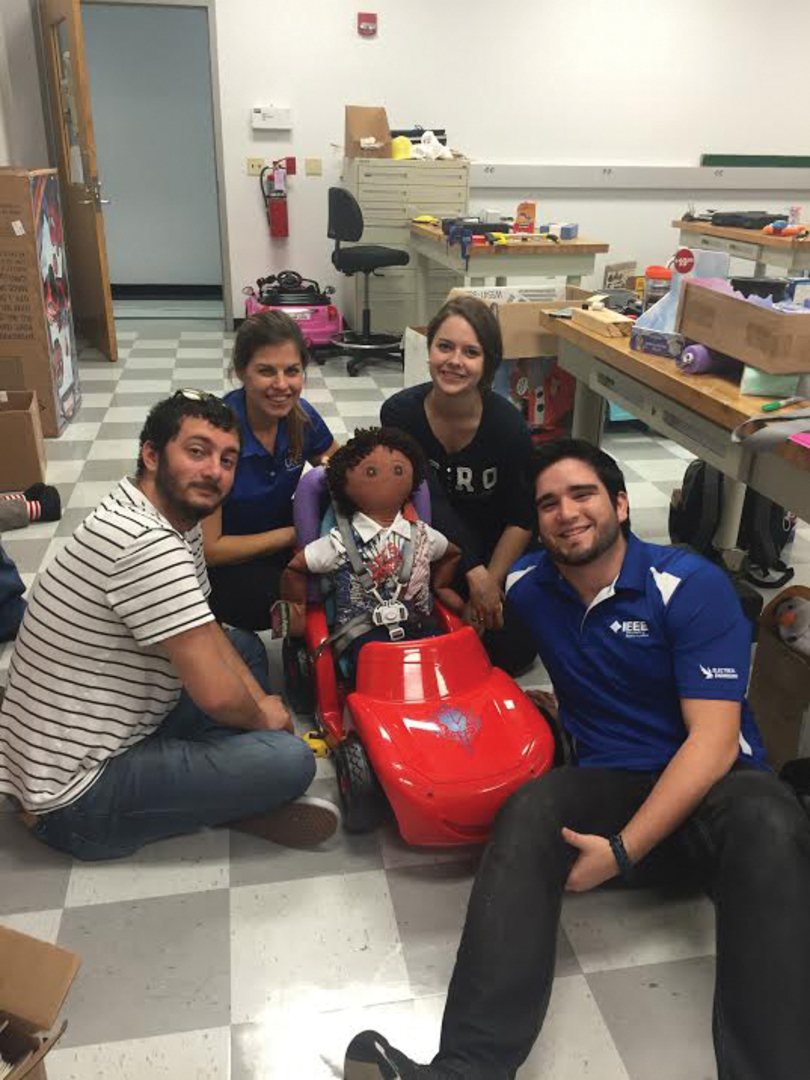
x,y
302,823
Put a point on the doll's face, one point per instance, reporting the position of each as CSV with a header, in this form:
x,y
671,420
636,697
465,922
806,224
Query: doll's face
x,y
381,483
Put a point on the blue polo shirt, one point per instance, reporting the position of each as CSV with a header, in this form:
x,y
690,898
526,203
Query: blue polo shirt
x,y
669,627
263,489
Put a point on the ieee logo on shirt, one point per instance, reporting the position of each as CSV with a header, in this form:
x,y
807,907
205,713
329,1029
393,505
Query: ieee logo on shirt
x,y
630,628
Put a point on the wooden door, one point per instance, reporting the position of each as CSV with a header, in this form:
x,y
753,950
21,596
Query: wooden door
x,y
69,91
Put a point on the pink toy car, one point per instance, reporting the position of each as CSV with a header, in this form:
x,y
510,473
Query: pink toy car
x,y
303,300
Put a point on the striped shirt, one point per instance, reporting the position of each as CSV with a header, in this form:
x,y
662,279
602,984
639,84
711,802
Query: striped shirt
x,y
87,678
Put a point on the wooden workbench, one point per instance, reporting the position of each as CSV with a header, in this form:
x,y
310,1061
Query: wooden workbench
x,y
697,411
784,252
571,259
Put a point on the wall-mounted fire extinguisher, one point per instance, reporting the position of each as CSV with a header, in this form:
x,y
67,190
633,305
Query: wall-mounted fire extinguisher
x,y
273,182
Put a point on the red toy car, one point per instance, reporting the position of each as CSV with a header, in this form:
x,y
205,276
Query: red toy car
x,y
430,727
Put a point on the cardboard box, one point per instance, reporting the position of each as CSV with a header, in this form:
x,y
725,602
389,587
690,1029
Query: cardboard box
x,y
364,122
35,978
22,449
523,337
37,343
779,692
772,341
415,349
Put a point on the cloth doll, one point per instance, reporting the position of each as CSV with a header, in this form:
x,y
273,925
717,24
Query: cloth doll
x,y
384,564
793,623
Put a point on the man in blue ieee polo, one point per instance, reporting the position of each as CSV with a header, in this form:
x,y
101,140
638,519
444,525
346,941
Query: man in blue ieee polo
x,y
648,651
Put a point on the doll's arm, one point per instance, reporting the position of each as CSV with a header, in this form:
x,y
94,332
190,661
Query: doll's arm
x,y
290,618
442,575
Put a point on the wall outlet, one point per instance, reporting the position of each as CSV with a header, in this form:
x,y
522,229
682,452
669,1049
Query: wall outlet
x,y
255,166
313,166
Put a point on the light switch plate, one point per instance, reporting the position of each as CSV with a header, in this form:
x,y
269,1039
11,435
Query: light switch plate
x,y
255,166
313,166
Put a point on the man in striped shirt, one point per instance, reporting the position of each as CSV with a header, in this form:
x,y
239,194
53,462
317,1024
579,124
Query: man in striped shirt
x,y
129,714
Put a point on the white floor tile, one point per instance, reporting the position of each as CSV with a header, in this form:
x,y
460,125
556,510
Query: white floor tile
x,y
346,382
317,395
201,353
97,399
142,363
203,335
680,451
113,450
645,496
126,335
63,472
205,374
659,468
125,414
41,530
79,432
357,409
190,1055
144,386
337,426
358,963
185,864
89,493
96,373
39,924
618,928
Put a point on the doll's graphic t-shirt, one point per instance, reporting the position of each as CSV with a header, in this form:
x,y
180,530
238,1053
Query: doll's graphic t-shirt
x,y
381,551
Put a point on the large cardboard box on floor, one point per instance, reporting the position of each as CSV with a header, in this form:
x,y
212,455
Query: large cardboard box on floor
x,y
37,343
22,449
365,122
779,693
773,341
523,337
35,978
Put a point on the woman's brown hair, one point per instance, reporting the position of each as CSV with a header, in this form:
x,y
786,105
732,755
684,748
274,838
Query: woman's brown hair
x,y
273,328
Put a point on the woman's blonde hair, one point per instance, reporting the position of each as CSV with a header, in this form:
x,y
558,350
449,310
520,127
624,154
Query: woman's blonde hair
x,y
273,328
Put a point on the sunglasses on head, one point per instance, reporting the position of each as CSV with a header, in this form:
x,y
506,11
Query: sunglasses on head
x,y
190,394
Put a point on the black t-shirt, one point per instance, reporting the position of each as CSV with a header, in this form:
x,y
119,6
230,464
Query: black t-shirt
x,y
478,491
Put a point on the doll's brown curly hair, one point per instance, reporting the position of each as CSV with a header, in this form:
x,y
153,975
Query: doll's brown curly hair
x,y
357,449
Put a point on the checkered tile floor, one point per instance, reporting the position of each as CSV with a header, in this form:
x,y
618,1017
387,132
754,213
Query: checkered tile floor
x,y
221,957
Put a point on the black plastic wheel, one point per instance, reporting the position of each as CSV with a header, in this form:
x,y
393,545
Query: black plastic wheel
x,y
362,799
298,681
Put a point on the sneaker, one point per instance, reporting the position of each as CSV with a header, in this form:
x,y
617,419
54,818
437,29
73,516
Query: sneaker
x,y
370,1056
302,823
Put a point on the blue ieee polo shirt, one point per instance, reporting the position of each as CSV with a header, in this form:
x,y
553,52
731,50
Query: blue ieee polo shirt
x,y
669,627
263,489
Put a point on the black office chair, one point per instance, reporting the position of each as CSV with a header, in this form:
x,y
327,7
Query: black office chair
x,y
346,224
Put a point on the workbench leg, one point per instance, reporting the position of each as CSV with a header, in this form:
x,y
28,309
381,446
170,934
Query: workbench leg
x,y
422,266
501,281
760,269
728,530
589,414
574,279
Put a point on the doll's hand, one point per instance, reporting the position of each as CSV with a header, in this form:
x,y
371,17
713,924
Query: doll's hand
x,y
485,604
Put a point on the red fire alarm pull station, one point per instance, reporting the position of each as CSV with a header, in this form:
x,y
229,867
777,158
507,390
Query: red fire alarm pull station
x,y
367,24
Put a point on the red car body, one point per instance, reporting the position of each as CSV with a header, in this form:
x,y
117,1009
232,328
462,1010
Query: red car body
x,y
448,736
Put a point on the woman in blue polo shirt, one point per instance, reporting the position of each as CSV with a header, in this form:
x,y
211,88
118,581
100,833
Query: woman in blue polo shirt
x,y
249,540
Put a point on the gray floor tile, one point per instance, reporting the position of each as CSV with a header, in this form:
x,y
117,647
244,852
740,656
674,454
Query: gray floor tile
x,y
136,374
34,877
27,554
71,520
146,399
659,1017
106,470
149,967
349,396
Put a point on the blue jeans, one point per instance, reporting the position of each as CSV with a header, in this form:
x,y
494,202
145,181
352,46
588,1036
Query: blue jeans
x,y
190,773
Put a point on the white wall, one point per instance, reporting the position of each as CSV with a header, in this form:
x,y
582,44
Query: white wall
x,y
545,81
22,127
152,114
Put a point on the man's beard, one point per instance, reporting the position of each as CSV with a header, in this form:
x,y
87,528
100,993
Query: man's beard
x,y
169,489
606,536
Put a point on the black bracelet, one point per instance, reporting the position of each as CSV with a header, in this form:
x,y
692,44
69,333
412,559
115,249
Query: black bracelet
x,y
621,856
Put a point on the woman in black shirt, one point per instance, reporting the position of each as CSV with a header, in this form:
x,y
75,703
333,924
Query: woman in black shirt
x,y
479,450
